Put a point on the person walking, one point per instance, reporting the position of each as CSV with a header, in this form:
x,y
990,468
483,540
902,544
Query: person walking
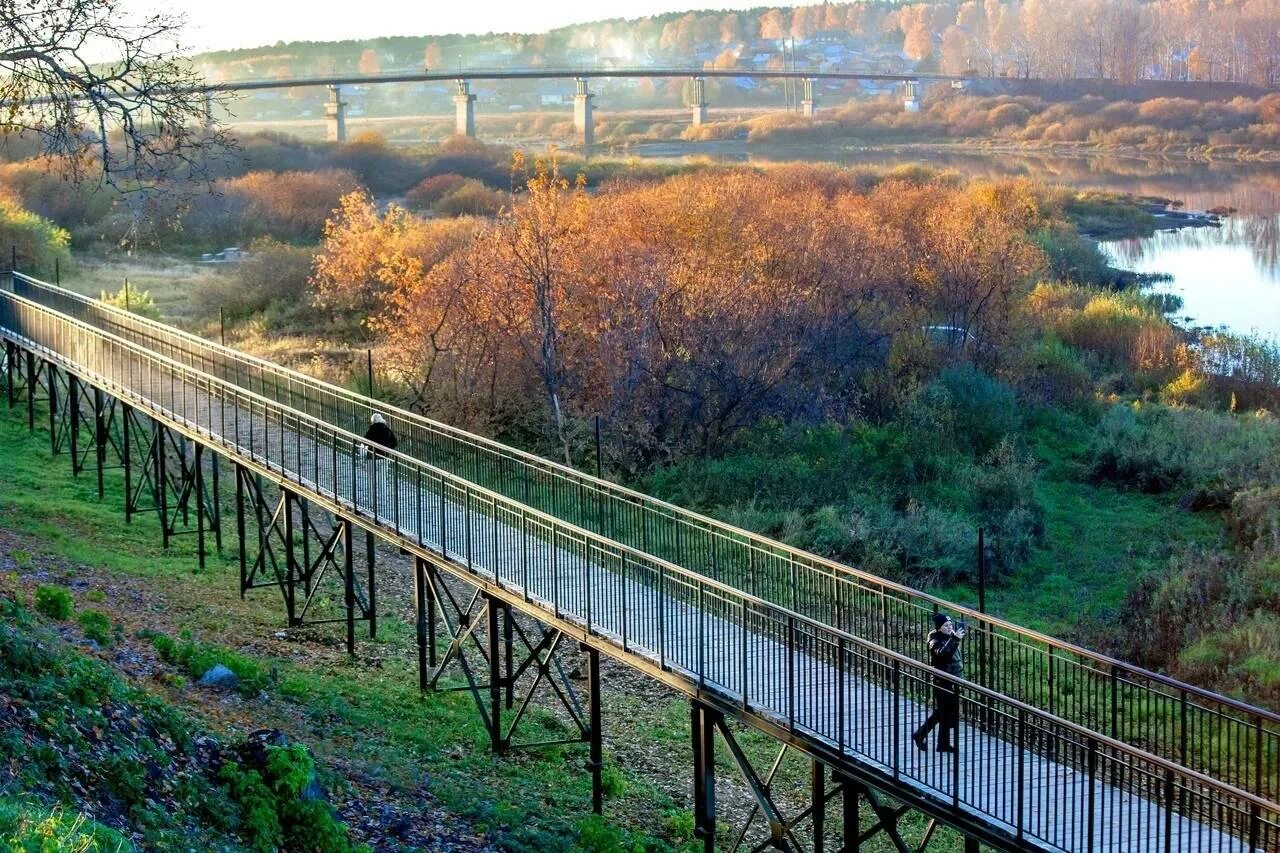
x,y
380,435
944,655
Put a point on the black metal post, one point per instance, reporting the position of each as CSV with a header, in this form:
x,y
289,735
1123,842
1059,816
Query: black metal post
x,y
595,761
215,503
704,774
50,373
494,611
373,595
10,355
99,438
57,271
350,589
508,655
31,391
369,369
817,797
288,502
244,562
200,504
126,415
599,459
849,823
126,295
161,479
73,421
420,598
984,644
222,326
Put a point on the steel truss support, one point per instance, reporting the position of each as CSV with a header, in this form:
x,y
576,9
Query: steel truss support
x,y
786,833
505,666
293,546
166,472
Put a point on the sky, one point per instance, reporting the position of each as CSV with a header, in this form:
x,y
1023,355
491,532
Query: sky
x,y
222,24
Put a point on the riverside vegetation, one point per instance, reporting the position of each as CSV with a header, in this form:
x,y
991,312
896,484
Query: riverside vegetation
x,y
870,365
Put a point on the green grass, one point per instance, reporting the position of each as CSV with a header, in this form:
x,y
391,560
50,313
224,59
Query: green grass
x,y
31,827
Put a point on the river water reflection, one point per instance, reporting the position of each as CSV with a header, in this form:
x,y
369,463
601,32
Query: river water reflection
x,y
1228,276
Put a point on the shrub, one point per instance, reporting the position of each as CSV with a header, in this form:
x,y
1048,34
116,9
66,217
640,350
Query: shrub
x,y
977,409
432,189
471,198
1053,372
288,205
1254,519
96,626
377,165
54,602
37,242
273,278
131,299
273,813
1155,448
198,658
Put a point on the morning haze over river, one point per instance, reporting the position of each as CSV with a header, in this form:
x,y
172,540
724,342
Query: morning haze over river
x,y
1227,277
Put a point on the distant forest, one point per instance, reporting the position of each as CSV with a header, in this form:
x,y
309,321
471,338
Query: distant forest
x,y
1235,41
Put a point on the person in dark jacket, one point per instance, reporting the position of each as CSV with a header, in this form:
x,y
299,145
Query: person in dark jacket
x,y
379,433
945,655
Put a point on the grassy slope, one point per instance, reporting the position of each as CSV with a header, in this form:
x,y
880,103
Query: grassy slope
x,y
1098,541
364,719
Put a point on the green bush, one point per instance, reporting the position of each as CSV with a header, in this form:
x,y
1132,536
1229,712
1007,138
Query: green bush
x,y
54,602
37,242
273,815
198,658
1052,372
968,408
139,302
96,626
28,827
1157,448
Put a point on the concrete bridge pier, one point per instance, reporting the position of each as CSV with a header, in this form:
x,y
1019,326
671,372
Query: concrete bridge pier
x,y
698,102
911,96
809,106
583,120
335,114
209,123
464,105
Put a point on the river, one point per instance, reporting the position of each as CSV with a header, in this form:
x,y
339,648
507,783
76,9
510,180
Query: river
x,y
1227,277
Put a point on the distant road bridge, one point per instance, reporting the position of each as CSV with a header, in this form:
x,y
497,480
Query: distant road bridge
x,y
584,126
515,557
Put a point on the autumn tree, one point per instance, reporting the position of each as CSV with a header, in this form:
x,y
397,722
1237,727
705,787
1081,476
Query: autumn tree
x,y
369,63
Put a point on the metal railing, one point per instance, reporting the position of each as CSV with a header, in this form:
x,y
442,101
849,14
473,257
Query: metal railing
x,y
1203,731
1041,779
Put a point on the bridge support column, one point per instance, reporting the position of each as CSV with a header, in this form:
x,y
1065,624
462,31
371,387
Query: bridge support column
x,y
10,357
209,123
911,96
464,106
809,105
335,114
583,119
702,726
296,548
698,101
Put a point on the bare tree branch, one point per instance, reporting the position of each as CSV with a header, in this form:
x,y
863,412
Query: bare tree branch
x,y
109,94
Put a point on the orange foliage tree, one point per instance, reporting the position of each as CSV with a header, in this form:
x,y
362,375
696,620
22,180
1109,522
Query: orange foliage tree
x,y
679,311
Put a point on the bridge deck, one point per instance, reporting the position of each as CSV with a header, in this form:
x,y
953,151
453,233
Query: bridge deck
x,y
1026,779
711,650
